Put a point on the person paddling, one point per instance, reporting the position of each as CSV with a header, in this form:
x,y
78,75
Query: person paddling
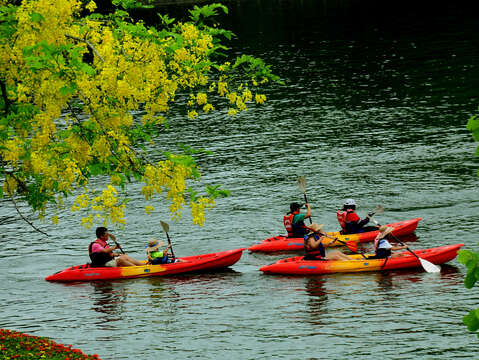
x,y
350,222
101,254
314,248
382,246
294,221
155,255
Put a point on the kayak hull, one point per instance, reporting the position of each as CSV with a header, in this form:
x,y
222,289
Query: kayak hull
x,y
404,260
283,243
204,262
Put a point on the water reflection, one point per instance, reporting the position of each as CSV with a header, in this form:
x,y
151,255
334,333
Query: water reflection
x,y
317,301
384,281
108,301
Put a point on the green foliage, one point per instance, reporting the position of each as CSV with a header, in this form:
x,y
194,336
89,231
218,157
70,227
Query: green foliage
x,y
199,14
471,260
131,4
90,96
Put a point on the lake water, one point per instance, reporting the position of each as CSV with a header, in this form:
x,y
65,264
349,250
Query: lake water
x,y
374,108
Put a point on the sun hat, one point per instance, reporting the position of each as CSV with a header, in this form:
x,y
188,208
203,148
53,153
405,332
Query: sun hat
x,y
154,244
385,230
314,228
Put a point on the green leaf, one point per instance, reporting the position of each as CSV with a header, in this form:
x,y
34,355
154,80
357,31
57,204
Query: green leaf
x,y
473,123
36,17
68,89
471,321
87,69
470,280
463,256
165,19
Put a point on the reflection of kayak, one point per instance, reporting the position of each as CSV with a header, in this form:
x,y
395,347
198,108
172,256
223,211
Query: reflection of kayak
x,y
282,243
203,262
298,266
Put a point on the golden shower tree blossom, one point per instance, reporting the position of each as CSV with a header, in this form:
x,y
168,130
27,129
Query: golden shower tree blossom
x,y
70,84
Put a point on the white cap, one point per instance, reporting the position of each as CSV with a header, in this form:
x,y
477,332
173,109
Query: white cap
x,y
349,202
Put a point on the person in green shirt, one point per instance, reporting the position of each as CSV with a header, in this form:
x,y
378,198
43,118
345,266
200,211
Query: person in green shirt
x,y
155,255
298,228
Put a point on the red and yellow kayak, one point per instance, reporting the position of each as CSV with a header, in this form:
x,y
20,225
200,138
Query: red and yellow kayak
x,y
195,263
283,243
404,260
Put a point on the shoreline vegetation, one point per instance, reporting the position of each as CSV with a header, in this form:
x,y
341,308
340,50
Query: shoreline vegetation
x,y
17,345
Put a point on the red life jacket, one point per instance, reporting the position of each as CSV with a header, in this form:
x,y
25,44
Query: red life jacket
x,y
99,259
343,217
288,223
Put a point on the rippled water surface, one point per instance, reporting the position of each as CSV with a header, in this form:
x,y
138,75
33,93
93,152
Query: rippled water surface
x,y
374,107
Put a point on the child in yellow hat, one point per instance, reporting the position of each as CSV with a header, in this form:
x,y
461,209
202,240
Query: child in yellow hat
x,y
155,255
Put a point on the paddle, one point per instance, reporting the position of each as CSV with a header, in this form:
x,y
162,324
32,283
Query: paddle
x,y
427,265
302,187
378,210
351,245
166,228
117,245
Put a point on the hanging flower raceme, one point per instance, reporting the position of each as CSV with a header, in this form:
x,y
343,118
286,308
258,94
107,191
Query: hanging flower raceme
x,y
70,85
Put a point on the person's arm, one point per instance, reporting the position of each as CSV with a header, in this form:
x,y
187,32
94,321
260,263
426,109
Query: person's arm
x,y
363,222
98,248
149,256
401,247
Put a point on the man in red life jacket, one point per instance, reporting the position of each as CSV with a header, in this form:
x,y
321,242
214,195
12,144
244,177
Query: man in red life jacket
x,y
294,220
101,254
350,222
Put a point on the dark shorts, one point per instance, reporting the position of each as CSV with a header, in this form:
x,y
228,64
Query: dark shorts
x,y
162,260
313,257
381,254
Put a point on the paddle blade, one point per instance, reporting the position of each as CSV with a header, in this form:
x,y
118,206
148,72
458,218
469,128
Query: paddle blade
x,y
165,226
429,266
352,245
379,210
302,184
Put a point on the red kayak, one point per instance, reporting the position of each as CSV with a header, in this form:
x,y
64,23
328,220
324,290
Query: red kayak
x,y
404,260
195,263
283,243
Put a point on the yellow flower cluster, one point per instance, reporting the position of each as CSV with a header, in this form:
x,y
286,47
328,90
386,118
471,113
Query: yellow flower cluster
x,y
81,79
198,209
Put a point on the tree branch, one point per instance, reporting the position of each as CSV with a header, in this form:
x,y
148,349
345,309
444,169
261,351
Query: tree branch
x,y
90,45
3,87
19,212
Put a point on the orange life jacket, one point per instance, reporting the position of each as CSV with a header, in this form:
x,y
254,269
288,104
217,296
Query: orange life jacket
x,y
288,223
342,217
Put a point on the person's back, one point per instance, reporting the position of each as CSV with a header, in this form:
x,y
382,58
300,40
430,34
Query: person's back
x,y
294,221
350,221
